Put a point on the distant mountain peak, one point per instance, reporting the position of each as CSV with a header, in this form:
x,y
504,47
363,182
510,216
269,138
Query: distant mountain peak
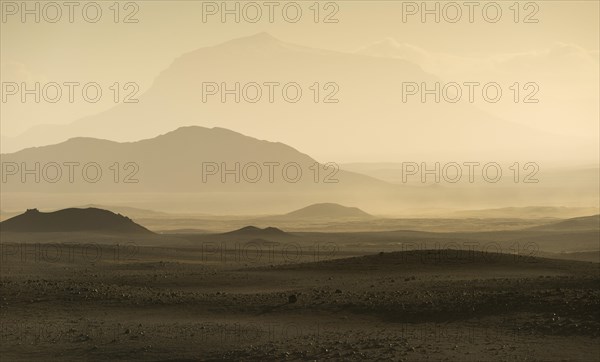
x,y
389,41
198,131
261,40
328,210
249,229
260,44
192,129
262,36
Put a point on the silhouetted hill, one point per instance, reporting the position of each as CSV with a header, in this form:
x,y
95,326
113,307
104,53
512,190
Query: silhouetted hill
x,y
72,220
173,162
448,260
327,210
253,231
584,223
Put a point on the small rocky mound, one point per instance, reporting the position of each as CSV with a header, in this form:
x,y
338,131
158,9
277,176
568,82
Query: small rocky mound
x,y
253,231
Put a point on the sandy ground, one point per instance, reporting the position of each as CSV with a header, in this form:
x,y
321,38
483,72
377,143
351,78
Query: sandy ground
x,y
161,304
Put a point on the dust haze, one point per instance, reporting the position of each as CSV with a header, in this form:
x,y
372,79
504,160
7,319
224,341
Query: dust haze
x,y
268,181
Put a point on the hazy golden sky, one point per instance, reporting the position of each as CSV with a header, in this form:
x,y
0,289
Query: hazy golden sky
x,y
108,52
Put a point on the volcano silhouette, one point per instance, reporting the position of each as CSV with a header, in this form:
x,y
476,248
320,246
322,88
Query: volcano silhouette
x,y
73,220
